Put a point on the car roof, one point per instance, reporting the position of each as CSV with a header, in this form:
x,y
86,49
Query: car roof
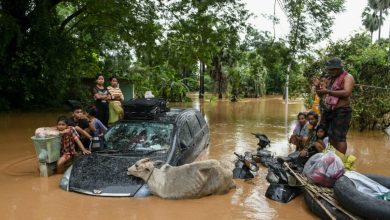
x,y
170,116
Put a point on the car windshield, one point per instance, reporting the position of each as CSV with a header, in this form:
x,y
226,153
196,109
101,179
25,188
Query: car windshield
x,y
139,137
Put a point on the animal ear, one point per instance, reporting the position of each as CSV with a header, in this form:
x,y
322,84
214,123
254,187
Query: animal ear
x,y
145,160
158,163
148,166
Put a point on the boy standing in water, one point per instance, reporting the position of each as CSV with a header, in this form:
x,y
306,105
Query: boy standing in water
x,y
68,140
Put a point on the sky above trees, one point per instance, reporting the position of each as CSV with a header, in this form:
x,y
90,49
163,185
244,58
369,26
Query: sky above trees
x,y
346,24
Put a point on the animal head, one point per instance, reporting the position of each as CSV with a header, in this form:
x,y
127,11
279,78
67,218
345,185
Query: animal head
x,y
141,168
144,167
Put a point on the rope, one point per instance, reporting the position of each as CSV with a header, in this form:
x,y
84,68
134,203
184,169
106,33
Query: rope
x,y
374,87
146,182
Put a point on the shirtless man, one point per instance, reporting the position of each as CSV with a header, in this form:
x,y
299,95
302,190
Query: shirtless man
x,y
338,100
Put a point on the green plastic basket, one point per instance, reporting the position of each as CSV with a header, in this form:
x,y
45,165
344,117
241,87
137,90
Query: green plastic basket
x,y
47,149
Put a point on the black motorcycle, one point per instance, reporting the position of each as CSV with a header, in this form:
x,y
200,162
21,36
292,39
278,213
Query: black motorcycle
x,y
263,155
244,166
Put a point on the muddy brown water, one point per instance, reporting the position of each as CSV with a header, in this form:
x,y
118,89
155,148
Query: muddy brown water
x,y
25,195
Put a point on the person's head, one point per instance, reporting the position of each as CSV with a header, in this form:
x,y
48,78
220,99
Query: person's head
x,y
315,80
62,123
312,117
113,81
301,118
99,79
77,112
334,67
321,132
324,81
91,112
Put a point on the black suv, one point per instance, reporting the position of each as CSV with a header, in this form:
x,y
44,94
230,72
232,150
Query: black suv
x,y
176,136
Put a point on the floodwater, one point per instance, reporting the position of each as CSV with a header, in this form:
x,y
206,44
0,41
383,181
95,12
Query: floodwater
x,y
25,195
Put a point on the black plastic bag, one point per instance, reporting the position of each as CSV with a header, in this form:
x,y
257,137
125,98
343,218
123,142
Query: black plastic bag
x,y
282,192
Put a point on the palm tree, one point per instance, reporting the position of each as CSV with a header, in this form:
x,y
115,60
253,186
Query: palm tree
x,y
381,6
370,20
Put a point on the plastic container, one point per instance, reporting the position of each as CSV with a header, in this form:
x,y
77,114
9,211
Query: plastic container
x,y
47,148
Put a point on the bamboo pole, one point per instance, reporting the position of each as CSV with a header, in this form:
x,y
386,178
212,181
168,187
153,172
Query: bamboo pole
x,y
324,196
311,194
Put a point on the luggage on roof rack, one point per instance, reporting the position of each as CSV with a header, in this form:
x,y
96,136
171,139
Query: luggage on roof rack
x,y
144,108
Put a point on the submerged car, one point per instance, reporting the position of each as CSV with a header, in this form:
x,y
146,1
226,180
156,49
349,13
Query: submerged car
x,y
176,137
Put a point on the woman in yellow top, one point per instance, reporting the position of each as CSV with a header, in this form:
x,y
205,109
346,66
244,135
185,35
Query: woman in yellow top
x,y
115,105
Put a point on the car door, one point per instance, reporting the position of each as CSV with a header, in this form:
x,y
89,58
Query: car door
x,y
185,142
205,137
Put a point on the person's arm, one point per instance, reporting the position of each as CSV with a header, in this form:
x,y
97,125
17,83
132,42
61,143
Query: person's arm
x,y
82,132
91,126
102,127
81,146
121,97
97,95
349,82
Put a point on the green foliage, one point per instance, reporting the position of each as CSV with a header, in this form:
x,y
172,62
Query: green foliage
x,y
369,65
310,21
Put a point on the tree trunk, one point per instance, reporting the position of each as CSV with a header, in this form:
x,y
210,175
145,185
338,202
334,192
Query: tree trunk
x,y
372,33
219,74
201,80
380,24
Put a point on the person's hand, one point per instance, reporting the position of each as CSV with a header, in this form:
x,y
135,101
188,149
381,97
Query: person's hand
x,y
316,82
85,151
303,153
322,91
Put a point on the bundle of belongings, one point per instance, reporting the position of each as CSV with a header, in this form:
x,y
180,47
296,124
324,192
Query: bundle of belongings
x,y
46,132
283,185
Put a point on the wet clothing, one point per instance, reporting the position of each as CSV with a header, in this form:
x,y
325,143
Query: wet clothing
x,y
82,123
311,136
338,84
301,130
338,123
68,146
101,105
99,127
316,105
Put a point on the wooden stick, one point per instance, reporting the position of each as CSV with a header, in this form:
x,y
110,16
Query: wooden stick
x,y
330,215
311,190
311,194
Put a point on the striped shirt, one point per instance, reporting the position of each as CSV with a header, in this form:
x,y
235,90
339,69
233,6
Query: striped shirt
x,y
115,92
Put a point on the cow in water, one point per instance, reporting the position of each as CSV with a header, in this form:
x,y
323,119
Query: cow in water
x,y
192,180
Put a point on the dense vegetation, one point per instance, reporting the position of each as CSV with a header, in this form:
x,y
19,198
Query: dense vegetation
x,y
47,47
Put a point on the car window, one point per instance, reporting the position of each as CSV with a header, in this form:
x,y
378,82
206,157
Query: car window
x,y
184,134
200,119
139,136
194,125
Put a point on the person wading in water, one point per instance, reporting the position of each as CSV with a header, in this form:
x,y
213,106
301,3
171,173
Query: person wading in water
x,y
338,101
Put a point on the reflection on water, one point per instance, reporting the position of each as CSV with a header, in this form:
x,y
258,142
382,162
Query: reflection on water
x,y
25,195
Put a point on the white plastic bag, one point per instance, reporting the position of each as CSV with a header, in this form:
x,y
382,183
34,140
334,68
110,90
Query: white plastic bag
x,y
46,132
324,169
